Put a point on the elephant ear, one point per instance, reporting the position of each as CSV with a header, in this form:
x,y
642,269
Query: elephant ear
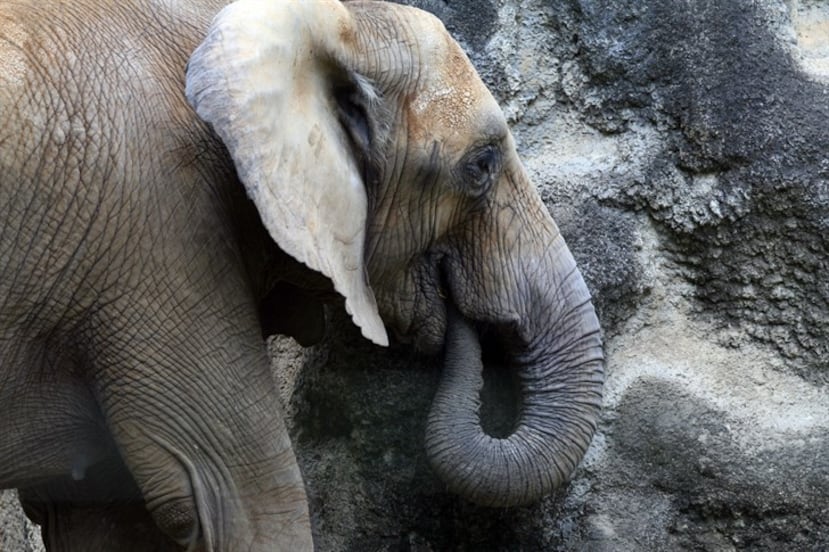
x,y
264,78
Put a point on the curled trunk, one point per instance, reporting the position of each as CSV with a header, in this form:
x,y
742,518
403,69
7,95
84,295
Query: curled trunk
x,y
560,375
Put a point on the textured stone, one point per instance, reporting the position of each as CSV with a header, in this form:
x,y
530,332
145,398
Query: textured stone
x,y
17,534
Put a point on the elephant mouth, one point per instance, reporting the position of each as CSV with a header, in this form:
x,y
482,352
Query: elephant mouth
x,y
500,332
437,291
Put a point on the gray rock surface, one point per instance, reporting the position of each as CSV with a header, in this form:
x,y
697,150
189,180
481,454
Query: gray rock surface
x,y
683,147
17,534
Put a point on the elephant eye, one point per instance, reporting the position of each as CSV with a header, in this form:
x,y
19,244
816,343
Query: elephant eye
x,y
481,169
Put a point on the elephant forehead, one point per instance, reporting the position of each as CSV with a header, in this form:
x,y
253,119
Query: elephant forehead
x,y
450,99
446,99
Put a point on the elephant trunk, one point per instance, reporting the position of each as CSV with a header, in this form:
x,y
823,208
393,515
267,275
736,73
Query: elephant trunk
x,y
560,376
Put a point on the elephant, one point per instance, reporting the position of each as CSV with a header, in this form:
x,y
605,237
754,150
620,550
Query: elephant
x,y
178,179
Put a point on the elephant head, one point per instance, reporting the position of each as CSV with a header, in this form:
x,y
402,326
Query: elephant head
x,y
376,156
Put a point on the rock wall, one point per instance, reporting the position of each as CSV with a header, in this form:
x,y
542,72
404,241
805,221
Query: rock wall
x,y
17,534
683,147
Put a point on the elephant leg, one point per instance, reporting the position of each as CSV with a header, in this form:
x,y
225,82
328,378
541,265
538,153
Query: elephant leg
x,y
51,422
193,407
104,511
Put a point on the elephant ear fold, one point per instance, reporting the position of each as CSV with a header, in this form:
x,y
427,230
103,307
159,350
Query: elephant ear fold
x,y
264,78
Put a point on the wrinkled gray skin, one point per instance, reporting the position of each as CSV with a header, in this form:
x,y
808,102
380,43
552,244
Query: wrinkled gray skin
x,y
136,403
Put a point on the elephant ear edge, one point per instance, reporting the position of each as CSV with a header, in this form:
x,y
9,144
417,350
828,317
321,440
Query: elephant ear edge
x,y
261,78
